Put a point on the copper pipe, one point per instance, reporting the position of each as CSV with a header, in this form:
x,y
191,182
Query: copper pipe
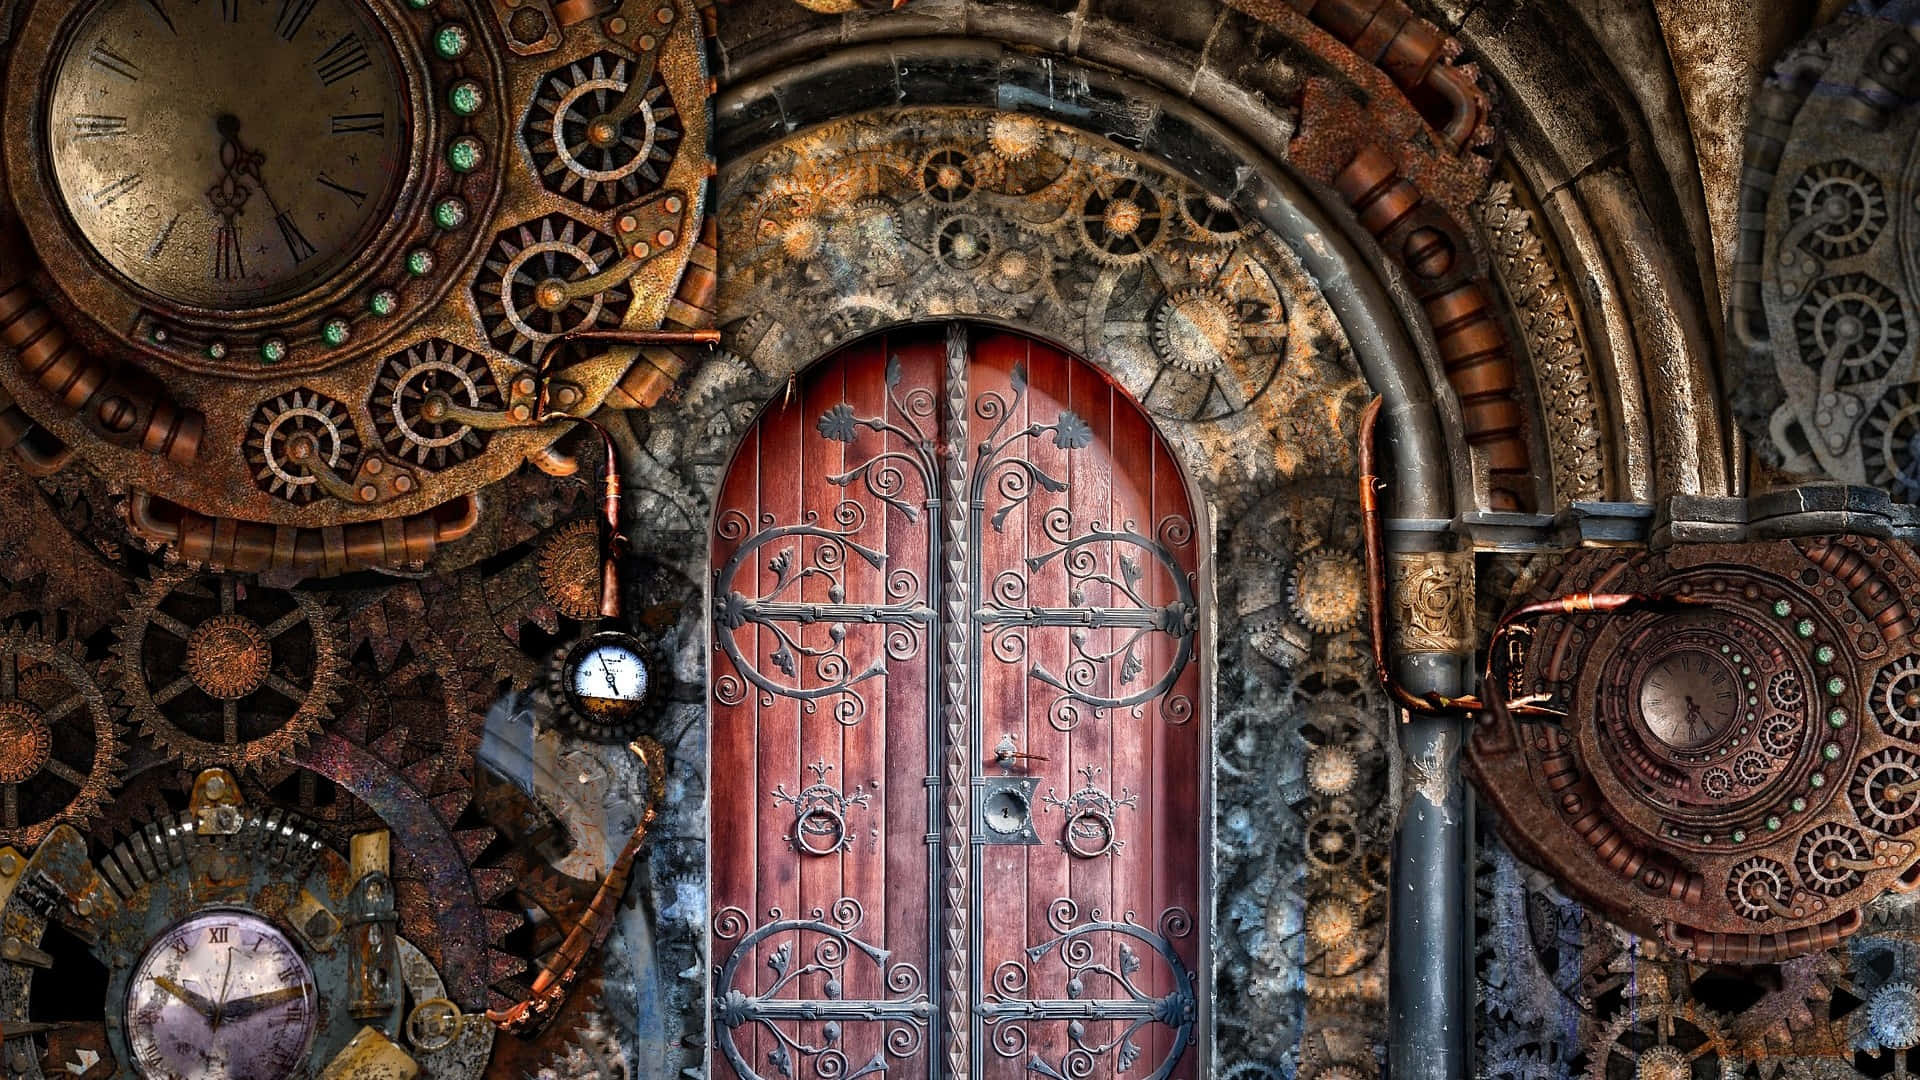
x,y
563,969
612,540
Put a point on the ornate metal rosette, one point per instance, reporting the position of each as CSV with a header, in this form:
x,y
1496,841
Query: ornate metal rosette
x,y
1739,774
541,279
220,672
424,403
169,393
295,439
59,739
569,568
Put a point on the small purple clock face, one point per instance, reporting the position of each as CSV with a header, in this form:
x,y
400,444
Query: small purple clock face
x,y
221,996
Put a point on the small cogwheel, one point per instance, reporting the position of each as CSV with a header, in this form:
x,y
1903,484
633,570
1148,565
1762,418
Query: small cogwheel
x,y
1660,1042
1212,220
1716,783
569,562
1331,922
418,398
1854,322
531,286
1779,735
1896,696
1758,889
1830,859
1331,770
1015,136
591,143
947,175
218,672
963,241
294,434
1197,330
1751,768
1886,790
1786,691
1121,224
59,739
1325,590
1893,1016
1851,206
1332,841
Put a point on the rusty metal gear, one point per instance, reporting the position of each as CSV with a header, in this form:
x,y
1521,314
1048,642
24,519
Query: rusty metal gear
x,y
219,672
569,567
59,738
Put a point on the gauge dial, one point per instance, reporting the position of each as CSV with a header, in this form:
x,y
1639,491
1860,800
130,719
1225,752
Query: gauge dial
x,y
228,153
223,995
1688,699
608,669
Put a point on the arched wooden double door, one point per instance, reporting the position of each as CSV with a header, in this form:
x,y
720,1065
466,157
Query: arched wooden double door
x,y
959,819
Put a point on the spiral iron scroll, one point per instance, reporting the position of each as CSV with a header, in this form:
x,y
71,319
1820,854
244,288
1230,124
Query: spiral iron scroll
x,y
819,979
1008,1012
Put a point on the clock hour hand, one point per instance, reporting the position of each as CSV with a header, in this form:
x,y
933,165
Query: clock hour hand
x,y
247,1006
193,1001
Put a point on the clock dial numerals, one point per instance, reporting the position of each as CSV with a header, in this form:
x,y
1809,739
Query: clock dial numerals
x,y
202,1003
103,57
354,195
360,124
297,245
342,59
288,143
610,672
293,16
114,191
1688,699
98,126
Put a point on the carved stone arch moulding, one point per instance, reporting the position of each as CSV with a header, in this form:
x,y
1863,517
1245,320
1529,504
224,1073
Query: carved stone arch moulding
x,y
1346,99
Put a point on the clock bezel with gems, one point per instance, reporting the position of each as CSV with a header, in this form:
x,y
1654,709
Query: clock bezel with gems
x,y
303,331
245,921
617,720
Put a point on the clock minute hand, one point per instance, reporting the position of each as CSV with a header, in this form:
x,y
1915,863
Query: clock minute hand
x,y
247,1006
192,1000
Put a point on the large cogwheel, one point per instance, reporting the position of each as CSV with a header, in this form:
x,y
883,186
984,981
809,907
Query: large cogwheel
x,y
59,741
1660,1042
220,672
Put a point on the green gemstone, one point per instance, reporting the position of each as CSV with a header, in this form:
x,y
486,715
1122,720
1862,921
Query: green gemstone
x,y
336,332
465,154
452,41
158,335
1824,654
216,350
1751,685
1836,684
1817,780
1739,837
1706,838
419,262
1804,628
1798,804
1831,752
1782,608
273,350
383,302
466,97
1773,824
450,213
419,5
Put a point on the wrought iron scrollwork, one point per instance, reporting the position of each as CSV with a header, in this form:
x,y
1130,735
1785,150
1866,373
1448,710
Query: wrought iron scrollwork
x,y
1119,971
818,976
1136,559
812,553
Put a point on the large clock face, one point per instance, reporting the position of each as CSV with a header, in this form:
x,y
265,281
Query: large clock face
x,y
228,153
223,995
1689,698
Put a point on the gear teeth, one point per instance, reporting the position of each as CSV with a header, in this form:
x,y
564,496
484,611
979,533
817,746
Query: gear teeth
x,y
502,966
451,805
491,883
474,841
501,923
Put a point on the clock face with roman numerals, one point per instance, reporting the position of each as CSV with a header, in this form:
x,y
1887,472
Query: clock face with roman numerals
x,y
224,995
228,154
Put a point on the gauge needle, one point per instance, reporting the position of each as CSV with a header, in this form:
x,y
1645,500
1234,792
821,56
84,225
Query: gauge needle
x,y
193,1001
611,685
247,1006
